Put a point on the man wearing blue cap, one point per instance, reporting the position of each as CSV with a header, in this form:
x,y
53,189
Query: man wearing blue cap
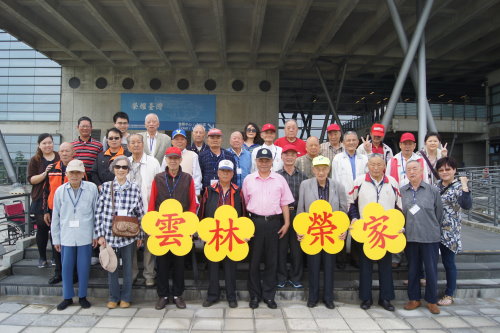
x,y
189,162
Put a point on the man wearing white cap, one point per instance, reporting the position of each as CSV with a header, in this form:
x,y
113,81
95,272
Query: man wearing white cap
x,y
72,229
224,192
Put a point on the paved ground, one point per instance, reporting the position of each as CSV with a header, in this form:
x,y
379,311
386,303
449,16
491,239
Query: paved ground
x,y
38,314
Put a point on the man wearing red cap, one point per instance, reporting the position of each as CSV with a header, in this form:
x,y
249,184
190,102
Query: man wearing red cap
x,y
268,134
333,146
375,145
290,138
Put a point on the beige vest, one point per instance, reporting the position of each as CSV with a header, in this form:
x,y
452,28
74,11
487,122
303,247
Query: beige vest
x,y
187,161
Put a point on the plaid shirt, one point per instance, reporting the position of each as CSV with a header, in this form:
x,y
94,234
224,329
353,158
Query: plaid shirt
x,y
293,181
209,164
327,150
128,197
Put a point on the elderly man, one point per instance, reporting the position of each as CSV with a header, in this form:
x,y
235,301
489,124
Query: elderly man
x,y
423,211
375,145
268,134
374,187
189,162
267,196
289,242
156,142
210,158
143,170
304,162
120,121
242,157
86,148
55,178
333,146
198,137
72,228
290,138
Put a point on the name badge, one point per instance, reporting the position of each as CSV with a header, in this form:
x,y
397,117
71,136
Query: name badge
x,y
213,181
238,171
122,212
414,209
74,223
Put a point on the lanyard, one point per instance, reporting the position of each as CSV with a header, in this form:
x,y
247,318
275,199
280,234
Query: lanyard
x,y
378,188
414,195
174,182
223,197
151,144
403,166
78,196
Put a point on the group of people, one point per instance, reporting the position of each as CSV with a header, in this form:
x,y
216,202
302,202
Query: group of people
x,y
78,192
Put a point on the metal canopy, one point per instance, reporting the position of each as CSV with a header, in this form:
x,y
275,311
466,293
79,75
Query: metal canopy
x,y
461,35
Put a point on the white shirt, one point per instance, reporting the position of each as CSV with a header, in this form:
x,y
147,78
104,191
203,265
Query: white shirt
x,y
149,169
275,151
196,173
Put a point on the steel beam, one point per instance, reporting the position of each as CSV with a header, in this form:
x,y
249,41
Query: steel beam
x,y
422,93
330,103
405,67
398,25
296,22
258,15
220,28
185,31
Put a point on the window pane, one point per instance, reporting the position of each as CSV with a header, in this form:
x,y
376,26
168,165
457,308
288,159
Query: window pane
x,y
48,71
46,107
47,80
27,80
14,71
21,89
47,89
20,98
47,98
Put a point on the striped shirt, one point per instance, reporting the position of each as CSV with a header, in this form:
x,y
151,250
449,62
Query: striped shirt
x,y
293,181
327,150
87,151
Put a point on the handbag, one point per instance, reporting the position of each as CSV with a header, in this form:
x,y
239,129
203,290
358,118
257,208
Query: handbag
x,y
123,226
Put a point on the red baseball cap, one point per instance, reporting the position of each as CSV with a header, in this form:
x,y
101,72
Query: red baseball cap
x,y
214,132
378,130
268,127
333,127
173,151
407,137
288,148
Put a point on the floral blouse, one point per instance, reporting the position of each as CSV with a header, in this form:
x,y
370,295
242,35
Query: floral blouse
x,y
454,199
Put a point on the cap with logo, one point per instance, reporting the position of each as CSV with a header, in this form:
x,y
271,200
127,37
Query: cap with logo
x,y
226,165
320,160
214,132
75,165
173,151
407,137
333,127
179,132
378,130
268,127
264,153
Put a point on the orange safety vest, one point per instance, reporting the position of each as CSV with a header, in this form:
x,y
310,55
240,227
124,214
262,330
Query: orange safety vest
x,y
56,178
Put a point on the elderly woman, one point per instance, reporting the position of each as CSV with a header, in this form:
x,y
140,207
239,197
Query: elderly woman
x,y
101,172
119,197
321,188
431,153
455,196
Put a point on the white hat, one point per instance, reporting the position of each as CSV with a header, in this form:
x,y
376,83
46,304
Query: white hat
x,y
226,165
75,165
107,257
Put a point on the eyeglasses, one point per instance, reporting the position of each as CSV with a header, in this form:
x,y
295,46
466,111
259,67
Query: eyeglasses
x,y
251,130
114,138
124,167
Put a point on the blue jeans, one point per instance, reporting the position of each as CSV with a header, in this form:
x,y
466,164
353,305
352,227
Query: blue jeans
x,y
448,258
79,255
124,293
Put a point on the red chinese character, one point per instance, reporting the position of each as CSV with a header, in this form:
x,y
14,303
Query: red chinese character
x,y
168,227
377,235
229,236
321,227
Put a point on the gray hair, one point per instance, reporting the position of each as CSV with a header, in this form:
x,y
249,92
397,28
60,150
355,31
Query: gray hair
x,y
374,155
290,121
135,134
116,160
414,161
199,125
151,114
351,133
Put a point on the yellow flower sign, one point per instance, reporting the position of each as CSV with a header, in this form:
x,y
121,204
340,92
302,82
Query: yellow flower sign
x,y
379,230
225,234
321,228
170,229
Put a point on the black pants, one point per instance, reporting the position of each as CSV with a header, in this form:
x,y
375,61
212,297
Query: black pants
x,y
289,241
428,253
56,257
167,263
42,236
264,247
385,277
213,293
314,265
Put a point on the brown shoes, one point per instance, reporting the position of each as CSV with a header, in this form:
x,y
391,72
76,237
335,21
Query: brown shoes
x,y
412,305
179,302
162,302
433,308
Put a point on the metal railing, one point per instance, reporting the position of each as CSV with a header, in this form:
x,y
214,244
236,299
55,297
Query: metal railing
x,y
484,183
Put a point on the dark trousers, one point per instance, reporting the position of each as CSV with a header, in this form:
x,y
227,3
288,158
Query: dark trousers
x,y
448,259
167,263
384,277
56,257
42,236
427,253
264,247
289,241
213,293
314,265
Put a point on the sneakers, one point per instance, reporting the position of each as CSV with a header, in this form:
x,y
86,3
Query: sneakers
x,y
295,284
64,304
281,284
42,263
84,303
150,282
207,303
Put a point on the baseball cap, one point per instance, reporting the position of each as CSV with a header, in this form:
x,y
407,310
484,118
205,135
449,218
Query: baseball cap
x,y
107,258
75,165
226,165
333,127
264,153
214,132
321,160
378,130
173,151
179,132
407,137
288,148
268,127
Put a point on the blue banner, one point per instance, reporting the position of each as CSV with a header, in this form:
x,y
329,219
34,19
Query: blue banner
x,y
174,110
